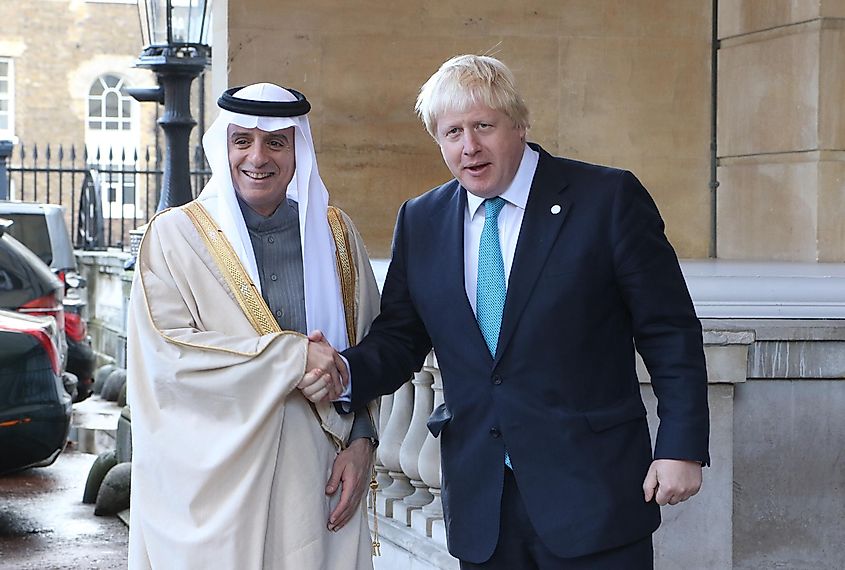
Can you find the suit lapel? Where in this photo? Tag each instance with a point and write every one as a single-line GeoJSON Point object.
{"type": "Point", "coordinates": [539, 231]}
{"type": "Point", "coordinates": [450, 268]}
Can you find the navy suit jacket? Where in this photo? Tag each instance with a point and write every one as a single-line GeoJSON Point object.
{"type": "Point", "coordinates": [588, 284]}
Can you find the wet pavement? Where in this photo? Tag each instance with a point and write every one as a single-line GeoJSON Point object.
{"type": "Point", "coordinates": [45, 526]}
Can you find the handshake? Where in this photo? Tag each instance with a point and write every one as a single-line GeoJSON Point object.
{"type": "Point", "coordinates": [326, 376]}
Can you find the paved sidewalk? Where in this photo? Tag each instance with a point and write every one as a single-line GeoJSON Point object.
{"type": "Point", "coordinates": [45, 526]}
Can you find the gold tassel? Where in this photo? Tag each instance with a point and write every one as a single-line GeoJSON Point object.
{"type": "Point", "coordinates": [373, 489]}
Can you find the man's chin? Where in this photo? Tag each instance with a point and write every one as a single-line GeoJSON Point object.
{"type": "Point", "coordinates": [480, 190]}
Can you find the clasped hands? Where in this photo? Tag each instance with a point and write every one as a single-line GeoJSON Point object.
{"type": "Point", "coordinates": [326, 376]}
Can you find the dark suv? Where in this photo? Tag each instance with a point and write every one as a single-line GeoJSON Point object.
{"type": "Point", "coordinates": [42, 228]}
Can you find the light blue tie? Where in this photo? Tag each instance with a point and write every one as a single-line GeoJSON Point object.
{"type": "Point", "coordinates": [491, 289]}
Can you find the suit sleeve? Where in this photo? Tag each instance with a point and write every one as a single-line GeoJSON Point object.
{"type": "Point", "coordinates": [667, 332]}
{"type": "Point", "coordinates": [397, 342]}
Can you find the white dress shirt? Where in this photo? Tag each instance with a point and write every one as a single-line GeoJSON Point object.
{"type": "Point", "coordinates": [510, 222]}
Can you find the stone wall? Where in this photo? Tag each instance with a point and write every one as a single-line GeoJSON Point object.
{"type": "Point", "coordinates": [781, 130]}
{"type": "Point", "coordinates": [621, 83]}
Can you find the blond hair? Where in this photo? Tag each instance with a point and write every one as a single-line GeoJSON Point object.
{"type": "Point", "coordinates": [467, 80]}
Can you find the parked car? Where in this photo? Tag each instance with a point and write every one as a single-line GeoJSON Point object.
{"type": "Point", "coordinates": [35, 407]}
{"type": "Point", "coordinates": [42, 228]}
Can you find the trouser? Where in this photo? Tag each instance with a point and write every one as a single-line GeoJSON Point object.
{"type": "Point", "coordinates": [519, 547]}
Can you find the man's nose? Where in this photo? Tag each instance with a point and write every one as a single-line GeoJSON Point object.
{"type": "Point", "coordinates": [258, 155]}
{"type": "Point", "coordinates": [471, 144]}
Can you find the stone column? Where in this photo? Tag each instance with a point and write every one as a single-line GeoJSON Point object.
{"type": "Point", "coordinates": [429, 466]}
{"type": "Point", "coordinates": [390, 445]}
{"type": "Point", "coordinates": [781, 130]}
{"type": "Point", "coordinates": [6, 147]}
{"type": "Point", "coordinates": [382, 477]}
{"type": "Point", "coordinates": [409, 454]}
{"type": "Point", "coordinates": [699, 533]}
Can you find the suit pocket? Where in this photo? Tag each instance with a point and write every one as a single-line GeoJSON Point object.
{"type": "Point", "coordinates": [629, 410]}
{"type": "Point", "coordinates": [438, 419]}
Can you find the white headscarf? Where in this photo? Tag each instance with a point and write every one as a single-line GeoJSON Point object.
{"type": "Point", "coordinates": [323, 304]}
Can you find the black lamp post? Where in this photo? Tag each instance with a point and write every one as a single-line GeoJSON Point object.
{"type": "Point", "coordinates": [175, 35]}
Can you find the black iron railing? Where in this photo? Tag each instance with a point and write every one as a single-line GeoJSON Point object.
{"type": "Point", "coordinates": [106, 193]}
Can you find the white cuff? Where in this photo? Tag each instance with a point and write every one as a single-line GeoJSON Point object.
{"type": "Point", "coordinates": [345, 399]}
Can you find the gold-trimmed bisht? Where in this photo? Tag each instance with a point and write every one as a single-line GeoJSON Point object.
{"type": "Point", "coordinates": [257, 311]}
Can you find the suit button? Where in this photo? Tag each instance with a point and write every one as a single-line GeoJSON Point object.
{"type": "Point", "coordinates": [497, 379]}
{"type": "Point", "coordinates": [495, 433]}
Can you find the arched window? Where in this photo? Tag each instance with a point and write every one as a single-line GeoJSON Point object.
{"type": "Point", "coordinates": [112, 135]}
{"type": "Point", "coordinates": [109, 105]}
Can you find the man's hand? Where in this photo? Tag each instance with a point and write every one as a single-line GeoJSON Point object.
{"type": "Point", "coordinates": [351, 470]}
{"type": "Point", "coordinates": [316, 385]}
{"type": "Point", "coordinates": [671, 481]}
{"type": "Point", "coordinates": [324, 359]}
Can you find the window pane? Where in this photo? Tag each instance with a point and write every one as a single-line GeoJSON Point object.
{"type": "Point", "coordinates": [128, 195]}
{"type": "Point", "coordinates": [94, 108]}
{"type": "Point", "coordinates": [94, 125]}
{"type": "Point", "coordinates": [111, 125]}
{"type": "Point", "coordinates": [4, 122]}
{"type": "Point", "coordinates": [111, 104]}
{"type": "Point", "coordinates": [126, 126]}
{"type": "Point", "coordinates": [112, 194]}
{"type": "Point", "coordinates": [4, 104]}
{"type": "Point", "coordinates": [111, 80]}
{"type": "Point", "coordinates": [4, 85]}
{"type": "Point", "coordinates": [126, 106]}
{"type": "Point", "coordinates": [97, 88]}
{"type": "Point", "coordinates": [4, 68]}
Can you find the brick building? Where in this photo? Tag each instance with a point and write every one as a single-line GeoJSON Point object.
{"type": "Point", "coordinates": [65, 67]}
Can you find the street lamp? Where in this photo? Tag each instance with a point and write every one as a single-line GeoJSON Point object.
{"type": "Point", "coordinates": [175, 34]}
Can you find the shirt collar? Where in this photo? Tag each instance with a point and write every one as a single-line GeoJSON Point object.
{"type": "Point", "coordinates": [284, 215]}
{"type": "Point", "coordinates": [517, 192]}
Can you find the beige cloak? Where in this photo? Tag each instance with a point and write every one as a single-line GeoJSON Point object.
{"type": "Point", "coordinates": [230, 461]}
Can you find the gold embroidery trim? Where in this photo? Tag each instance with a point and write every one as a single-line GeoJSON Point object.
{"type": "Point", "coordinates": [345, 270]}
{"type": "Point", "coordinates": [245, 291]}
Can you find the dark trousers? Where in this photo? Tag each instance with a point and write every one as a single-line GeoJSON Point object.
{"type": "Point", "coordinates": [519, 547]}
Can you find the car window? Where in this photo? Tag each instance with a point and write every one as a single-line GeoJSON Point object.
{"type": "Point", "coordinates": [31, 230]}
{"type": "Point", "coordinates": [23, 277]}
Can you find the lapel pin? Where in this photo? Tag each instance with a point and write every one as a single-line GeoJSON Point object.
{"type": "Point", "coordinates": [556, 209]}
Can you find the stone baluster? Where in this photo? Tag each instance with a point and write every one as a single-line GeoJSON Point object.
{"type": "Point", "coordinates": [409, 455]}
{"type": "Point", "coordinates": [382, 477]}
{"type": "Point", "coordinates": [432, 513]}
{"type": "Point", "coordinates": [391, 443]}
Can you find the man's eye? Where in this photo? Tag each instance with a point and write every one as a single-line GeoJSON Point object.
{"type": "Point", "coordinates": [484, 125]}
{"type": "Point", "coordinates": [452, 132]}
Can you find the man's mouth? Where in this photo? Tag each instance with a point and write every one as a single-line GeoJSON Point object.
{"type": "Point", "coordinates": [476, 168]}
{"type": "Point", "coordinates": [256, 175]}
